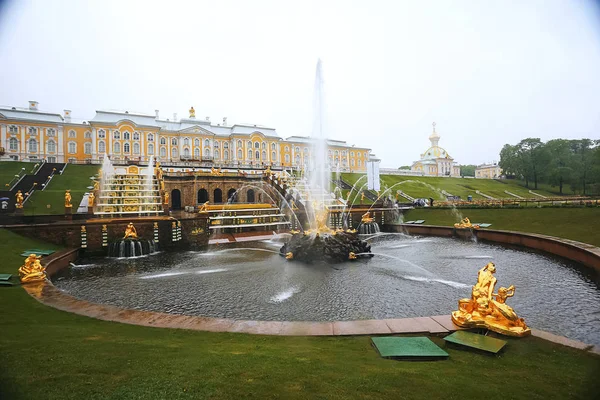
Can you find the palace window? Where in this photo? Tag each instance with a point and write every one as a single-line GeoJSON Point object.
{"type": "Point", "coordinates": [186, 142]}
{"type": "Point", "coordinates": [249, 154]}
{"type": "Point", "coordinates": [136, 148]}
{"type": "Point", "coordinates": [239, 144]}
{"type": "Point", "coordinates": [150, 149]}
{"type": "Point", "coordinates": [186, 153]}
{"type": "Point", "coordinates": [206, 152]}
{"type": "Point", "coordinates": [351, 154]}
{"type": "Point", "coordinates": [206, 142]}
{"type": "Point", "coordinates": [174, 152]}
{"type": "Point", "coordinates": [264, 155]}
{"type": "Point", "coordinates": [358, 162]}
{"type": "Point", "coordinates": [264, 145]}
{"type": "Point", "coordinates": [32, 131]}
{"type": "Point", "coordinates": [305, 160]}
{"type": "Point", "coordinates": [13, 144]}
{"type": "Point", "coordinates": [125, 147]}
{"type": "Point", "coordinates": [225, 145]}
{"type": "Point", "coordinates": [13, 130]}
{"type": "Point", "coordinates": [287, 158]}
{"type": "Point", "coordinates": [163, 140]}
{"type": "Point", "coordinates": [72, 134]}
{"type": "Point", "coordinates": [51, 132]}
{"type": "Point", "coordinates": [101, 134]}
{"type": "Point", "coordinates": [257, 155]}
{"type": "Point", "coordinates": [174, 142]}
{"type": "Point", "coordinates": [273, 146]}
{"type": "Point", "coordinates": [197, 142]}
{"type": "Point", "coordinates": [337, 153]}
{"type": "Point", "coordinates": [225, 154]}
{"type": "Point", "coordinates": [273, 156]}
{"type": "Point", "coordinates": [256, 145]}
{"type": "Point", "coordinates": [297, 149]}
{"type": "Point", "coordinates": [365, 154]}
{"type": "Point", "coordinates": [150, 137]}
{"type": "Point", "coordinates": [72, 147]}
{"type": "Point", "coordinates": [297, 159]}
{"type": "Point", "coordinates": [217, 155]}
{"type": "Point", "coordinates": [136, 136]}
{"type": "Point", "coordinates": [216, 145]}
{"type": "Point", "coordinates": [306, 150]}
{"type": "Point", "coordinates": [196, 153]}
{"type": "Point", "coordinates": [101, 147]}
{"type": "Point", "coordinates": [163, 152]}
{"type": "Point", "coordinates": [344, 153]}
{"type": "Point", "coordinates": [116, 147]}
{"type": "Point", "coordinates": [126, 135]}
{"type": "Point", "coordinates": [87, 135]}
{"type": "Point", "coordinates": [352, 162]}
{"type": "Point", "coordinates": [116, 135]}
{"type": "Point", "coordinates": [240, 154]}
{"type": "Point", "coordinates": [87, 148]}
{"type": "Point", "coordinates": [287, 148]}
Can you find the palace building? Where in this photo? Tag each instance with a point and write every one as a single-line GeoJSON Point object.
{"type": "Point", "coordinates": [32, 135]}
{"type": "Point", "coordinates": [436, 161]}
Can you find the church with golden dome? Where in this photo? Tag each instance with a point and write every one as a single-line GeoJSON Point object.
{"type": "Point", "coordinates": [436, 161]}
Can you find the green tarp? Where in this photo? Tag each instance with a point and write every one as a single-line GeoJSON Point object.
{"type": "Point", "coordinates": [407, 347]}
{"type": "Point", "coordinates": [476, 341]}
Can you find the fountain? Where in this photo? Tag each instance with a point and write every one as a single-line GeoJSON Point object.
{"type": "Point", "coordinates": [130, 245]}
{"type": "Point", "coordinates": [367, 225]}
{"type": "Point", "coordinates": [321, 243]}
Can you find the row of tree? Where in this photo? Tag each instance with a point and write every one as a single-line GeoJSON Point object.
{"type": "Point", "coordinates": [561, 163]}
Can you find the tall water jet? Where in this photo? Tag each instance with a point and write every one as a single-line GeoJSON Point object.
{"type": "Point", "coordinates": [319, 168]}
{"type": "Point", "coordinates": [149, 180]}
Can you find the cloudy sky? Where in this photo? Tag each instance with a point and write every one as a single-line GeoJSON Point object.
{"type": "Point", "coordinates": [487, 72]}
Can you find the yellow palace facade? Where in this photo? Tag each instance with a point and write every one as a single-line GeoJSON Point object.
{"type": "Point", "coordinates": [28, 134]}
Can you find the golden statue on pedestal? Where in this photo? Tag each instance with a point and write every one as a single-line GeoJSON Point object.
{"type": "Point", "coordinates": [465, 223]}
{"type": "Point", "coordinates": [215, 171]}
{"type": "Point", "coordinates": [192, 112]}
{"type": "Point", "coordinates": [91, 198]}
{"type": "Point", "coordinates": [289, 255]}
{"type": "Point", "coordinates": [366, 218]}
{"type": "Point", "coordinates": [352, 256]}
{"type": "Point", "coordinates": [166, 198]}
{"type": "Point", "coordinates": [68, 199]}
{"type": "Point", "coordinates": [486, 309]}
{"type": "Point", "coordinates": [130, 232]}
{"type": "Point", "coordinates": [19, 198]}
{"type": "Point", "coordinates": [32, 270]}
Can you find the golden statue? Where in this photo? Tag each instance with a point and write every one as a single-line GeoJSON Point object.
{"type": "Point", "coordinates": [166, 198]}
{"type": "Point", "coordinates": [130, 232]}
{"type": "Point", "coordinates": [215, 172]}
{"type": "Point", "coordinates": [204, 207]}
{"type": "Point", "coordinates": [289, 256]}
{"type": "Point", "coordinates": [466, 223]}
{"type": "Point", "coordinates": [104, 228]}
{"type": "Point", "coordinates": [19, 197]}
{"type": "Point", "coordinates": [68, 199]}
{"type": "Point", "coordinates": [161, 185]}
{"type": "Point", "coordinates": [366, 218]}
{"type": "Point", "coordinates": [96, 185]}
{"type": "Point", "coordinates": [91, 198]}
{"type": "Point", "coordinates": [486, 309]}
{"type": "Point", "coordinates": [362, 197]}
{"type": "Point", "coordinates": [32, 270]}
{"type": "Point", "coordinates": [352, 230]}
{"type": "Point", "coordinates": [83, 229]}
{"type": "Point", "coordinates": [267, 171]}
{"type": "Point", "coordinates": [321, 217]}
{"type": "Point", "coordinates": [352, 256]}
{"type": "Point", "coordinates": [192, 113]}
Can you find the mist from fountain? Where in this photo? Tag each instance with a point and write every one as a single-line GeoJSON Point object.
{"type": "Point", "coordinates": [149, 180]}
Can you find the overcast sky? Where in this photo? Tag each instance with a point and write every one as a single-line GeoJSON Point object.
{"type": "Point", "coordinates": [487, 72]}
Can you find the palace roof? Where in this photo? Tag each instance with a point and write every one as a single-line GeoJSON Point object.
{"type": "Point", "coordinates": [30, 115]}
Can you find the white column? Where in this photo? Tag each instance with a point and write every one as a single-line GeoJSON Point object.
{"type": "Point", "coordinates": [60, 132]}
{"type": "Point", "coordinates": [23, 130]}
{"type": "Point", "coordinates": [3, 138]}
{"type": "Point", "coordinates": [94, 144]}
{"type": "Point", "coordinates": [143, 144]}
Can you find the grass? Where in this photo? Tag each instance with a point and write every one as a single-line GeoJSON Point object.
{"type": "Point", "coordinates": [571, 223]}
{"type": "Point", "coordinates": [50, 354]}
{"type": "Point", "coordinates": [75, 177]}
{"type": "Point", "coordinates": [8, 170]}
{"type": "Point", "coordinates": [426, 187]}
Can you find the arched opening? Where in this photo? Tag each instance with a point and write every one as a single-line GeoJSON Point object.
{"type": "Point", "coordinates": [231, 196]}
{"type": "Point", "coordinates": [250, 196]}
{"type": "Point", "coordinates": [175, 199]}
{"type": "Point", "coordinates": [202, 196]}
{"type": "Point", "coordinates": [218, 196]}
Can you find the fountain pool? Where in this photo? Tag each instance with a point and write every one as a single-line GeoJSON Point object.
{"type": "Point", "coordinates": [407, 277]}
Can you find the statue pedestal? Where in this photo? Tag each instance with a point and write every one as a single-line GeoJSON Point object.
{"type": "Point", "coordinates": [69, 213]}
{"type": "Point", "coordinates": [19, 211]}
{"type": "Point", "coordinates": [166, 209]}
{"type": "Point", "coordinates": [91, 210]}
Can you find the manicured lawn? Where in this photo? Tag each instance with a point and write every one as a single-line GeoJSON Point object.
{"type": "Point", "coordinates": [49, 354]}
{"type": "Point", "coordinates": [75, 177]}
{"type": "Point", "coordinates": [426, 187]}
{"type": "Point", "coordinates": [8, 170]}
{"type": "Point", "coordinates": [572, 223]}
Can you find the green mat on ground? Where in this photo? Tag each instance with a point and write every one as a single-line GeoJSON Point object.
{"type": "Point", "coordinates": [407, 347]}
{"type": "Point", "coordinates": [6, 283]}
{"type": "Point", "coordinates": [482, 225]}
{"type": "Point", "coordinates": [476, 341]}
{"type": "Point", "coordinates": [5, 277]}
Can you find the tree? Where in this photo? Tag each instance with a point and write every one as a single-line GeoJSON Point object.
{"type": "Point", "coordinates": [509, 161]}
{"type": "Point", "coordinates": [467, 170]}
{"type": "Point", "coordinates": [533, 158]}
{"type": "Point", "coordinates": [560, 170]}
{"type": "Point", "coordinates": [405, 167]}
{"type": "Point", "coordinates": [582, 162]}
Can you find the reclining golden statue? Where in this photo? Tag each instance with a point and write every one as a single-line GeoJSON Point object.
{"type": "Point", "coordinates": [466, 223]}
{"type": "Point", "coordinates": [32, 270]}
{"type": "Point", "coordinates": [203, 207]}
{"type": "Point", "coordinates": [366, 218]}
{"type": "Point", "coordinates": [486, 309]}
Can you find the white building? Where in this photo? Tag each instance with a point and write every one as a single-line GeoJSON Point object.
{"type": "Point", "coordinates": [436, 161]}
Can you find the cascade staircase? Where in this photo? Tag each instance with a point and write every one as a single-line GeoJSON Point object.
{"type": "Point", "coordinates": [128, 194]}
{"type": "Point", "coordinates": [29, 183]}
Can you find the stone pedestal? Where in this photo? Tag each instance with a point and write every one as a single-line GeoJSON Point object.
{"type": "Point", "coordinates": [166, 209]}
{"type": "Point", "coordinates": [19, 211]}
{"type": "Point", "coordinates": [69, 213]}
{"type": "Point", "coordinates": [90, 210]}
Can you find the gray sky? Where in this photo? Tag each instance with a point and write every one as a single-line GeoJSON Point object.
{"type": "Point", "coordinates": [488, 72]}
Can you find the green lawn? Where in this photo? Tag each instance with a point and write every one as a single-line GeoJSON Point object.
{"type": "Point", "coordinates": [579, 224]}
{"type": "Point", "coordinates": [75, 177]}
{"type": "Point", "coordinates": [8, 170]}
{"type": "Point", "coordinates": [426, 187]}
{"type": "Point", "coordinates": [50, 354]}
